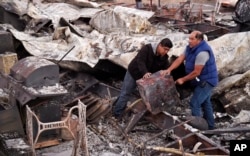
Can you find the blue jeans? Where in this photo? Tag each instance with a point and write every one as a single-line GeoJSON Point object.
{"type": "Point", "coordinates": [128, 86]}
{"type": "Point", "coordinates": [201, 101]}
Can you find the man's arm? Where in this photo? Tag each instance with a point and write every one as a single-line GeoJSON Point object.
{"type": "Point", "coordinates": [200, 62]}
{"type": "Point", "coordinates": [174, 65]}
{"type": "Point", "coordinates": [196, 72]}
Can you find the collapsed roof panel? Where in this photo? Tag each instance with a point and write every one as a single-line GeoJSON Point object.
{"type": "Point", "coordinates": [54, 11]}
{"type": "Point", "coordinates": [15, 6]}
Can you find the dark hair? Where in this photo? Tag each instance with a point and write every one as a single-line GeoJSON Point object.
{"type": "Point", "coordinates": [199, 35]}
{"type": "Point", "coordinates": [166, 42]}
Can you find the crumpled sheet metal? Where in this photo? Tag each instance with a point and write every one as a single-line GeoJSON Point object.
{"type": "Point", "coordinates": [158, 93]}
{"type": "Point", "coordinates": [54, 11]}
{"type": "Point", "coordinates": [133, 11]}
{"type": "Point", "coordinates": [21, 7]}
{"type": "Point", "coordinates": [107, 21]}
{"type": "Point", "coordinates": [119, 48]}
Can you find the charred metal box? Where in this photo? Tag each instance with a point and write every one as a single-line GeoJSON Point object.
{"type": "Point", "coordinates": [35, 72]}
{"type": "Point", "coordinates": [47, 110]}
{"type": "Point", "coordinates": [158, 93]}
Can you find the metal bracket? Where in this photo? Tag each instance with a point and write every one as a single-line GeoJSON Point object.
{"type": "Point", "coordinates": [79, 140]}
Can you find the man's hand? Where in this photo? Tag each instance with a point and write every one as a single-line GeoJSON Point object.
{"type": "Point", "coordinates": [180, 81]}
{"type": "Point", "coordinates": [165, 72]}
{"type": "Point", "coordinates": [147, 75]}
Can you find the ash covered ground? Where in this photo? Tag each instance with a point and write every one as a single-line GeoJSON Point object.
{"type": "Point", "coordinates": [106, 137]}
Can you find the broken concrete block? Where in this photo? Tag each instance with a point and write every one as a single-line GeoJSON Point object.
{"type": "Point", "coordinates": [7, 60]}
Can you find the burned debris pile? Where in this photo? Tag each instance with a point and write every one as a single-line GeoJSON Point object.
{"type": "Point", "coordinates": [61, 69]}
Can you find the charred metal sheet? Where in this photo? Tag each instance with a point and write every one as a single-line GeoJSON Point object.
{"type": "Point", "coordinates": [77, 84]}
{"type": "Point", "coordinates": [211, 31]}
{"type": "Point", "coordinates": [175, 131]}
{"type": "Point", "coordinates": [158, 93]}
{"type": "Point", "coordinates": [35, 72]}
{"type": "Point", "coordinates": [64, 22]}
{"type": "Point", "coordinates": [40, 25]}
{"type": "Point", "coordinates": [25, 94]}
{"type": "Point", "coordinates": [186, 134]}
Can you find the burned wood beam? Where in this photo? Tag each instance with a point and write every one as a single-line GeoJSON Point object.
{"type": "Point", "coordinates": [169, 150]}
{"type": "Point", "coordinates": [228, 130]}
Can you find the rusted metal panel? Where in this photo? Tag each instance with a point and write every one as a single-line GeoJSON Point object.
{"type": "Point", "coordinates": [35, 72]}
{"type": "Point", "coordinates": [158, 93]}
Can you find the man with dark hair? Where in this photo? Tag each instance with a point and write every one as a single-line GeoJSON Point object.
{"type": "Point", "coordinates": [150, 59]}
{"type": "Point", "coordinates": [201, 73]}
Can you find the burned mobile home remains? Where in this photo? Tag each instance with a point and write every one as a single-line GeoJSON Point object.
{"type": "Point", "coordinates": [61, 74]}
